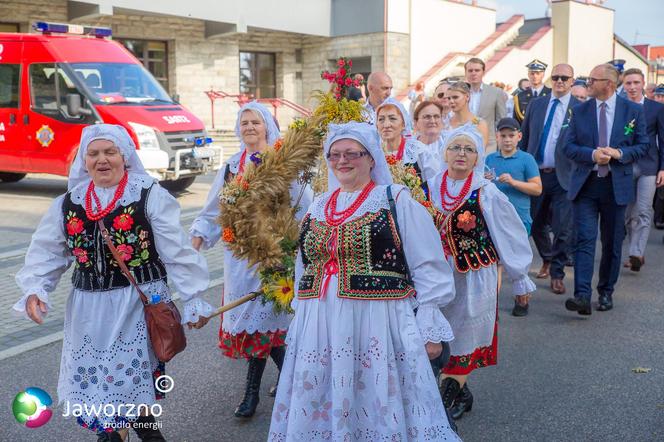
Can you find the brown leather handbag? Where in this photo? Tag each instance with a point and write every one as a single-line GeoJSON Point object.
{"type": "Point", "coordinates": [162, 319]}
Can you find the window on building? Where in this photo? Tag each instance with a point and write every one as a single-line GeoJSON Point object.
{"type": "Point", "coordinates": [258, 74]}
{"type": "Point", "coordinates": [9, 85]}
{"type": "Point", "coordinates": [9, 27]}
{"type": "Point", "coordinates": [154, 56]}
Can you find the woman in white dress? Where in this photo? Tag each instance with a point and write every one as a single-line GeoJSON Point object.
{"type": "Point", "coordinates": [357, 361]}
{"type": "Point", "coordinates": [429, 124]}
{"type": "Point", "coordinates": [251, 331]}
{"type": "Point", "coordinates": [478, 227]}
{"type": "Point", "coordinates": [394, 128]}
{"type": "Point", "coordinates": [107, 358]}
{"type": "Point", "coordinates": [458, 95]}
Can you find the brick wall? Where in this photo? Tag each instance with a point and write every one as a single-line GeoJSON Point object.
{"type": "Point", "coordinates": [196, 63]}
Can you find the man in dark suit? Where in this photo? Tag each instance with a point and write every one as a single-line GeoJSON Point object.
{"type": "Point", "coordinates": [606, 135]}
{"type": "Point", "coordinates": [547, 120]}
{"type": "Point", "coordinates": [536, 89]}
{"type": "Point", "coordinates": [648, 170]}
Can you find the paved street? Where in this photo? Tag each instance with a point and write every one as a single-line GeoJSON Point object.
{"type": "Point", "coordinates": [561, 377]}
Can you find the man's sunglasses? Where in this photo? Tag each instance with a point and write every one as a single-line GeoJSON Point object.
{"type": "Point", "coordinates": [562, 78]}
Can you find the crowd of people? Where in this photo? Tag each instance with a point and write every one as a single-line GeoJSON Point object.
{"type": "Point", "coordinates": [396, 298]}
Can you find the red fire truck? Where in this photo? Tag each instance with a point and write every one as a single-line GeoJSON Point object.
{"type": "Point", "coordinates": [55, 82]}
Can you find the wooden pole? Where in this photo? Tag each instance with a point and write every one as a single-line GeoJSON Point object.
{"type": "Point", "coordinates": [232, 305]}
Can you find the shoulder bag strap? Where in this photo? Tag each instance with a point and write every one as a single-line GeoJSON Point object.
{"type": "Point", "coordinates": [120, 261]}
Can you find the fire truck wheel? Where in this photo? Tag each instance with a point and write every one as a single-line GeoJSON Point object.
{"type": "Point", "coordinates": [7, 177]}
{"type": "Point", "coordinates": [178, 185]}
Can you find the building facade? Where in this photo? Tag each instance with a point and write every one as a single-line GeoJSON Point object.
{"type": "Point", "coordinates": [273, 49]}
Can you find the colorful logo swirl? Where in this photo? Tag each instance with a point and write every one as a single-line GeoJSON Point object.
{"type": "Point", "coordinates": [32, 407]}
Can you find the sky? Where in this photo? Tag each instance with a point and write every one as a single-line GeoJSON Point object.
{"type": "Point", "coordinates": [645, 17]}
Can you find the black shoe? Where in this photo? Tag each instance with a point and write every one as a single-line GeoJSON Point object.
{"type": "Point", "coordinates": [146, 429]}
{"type": "Point", "coordinates": [247, 407]}
{"type": "Point", "coordinates": [605, 303]}
{"type": "Point", "coordinates": [580, 306]}
{"type": "Point", "coordinates": [278, 354]}
{"type": "Point", "coordinates": [112, 436]}
{"type": "Point", "coordinates": [449, 389]}
{"type": "Point", "coordinates": [519, 310]}
{"type": "Point", "coordinates": [463, 403]}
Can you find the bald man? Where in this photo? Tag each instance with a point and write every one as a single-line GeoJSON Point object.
{"type": "Point", "coordinates": [379, 85]}
{"type": "Point", "coordinates": [546, 121]}
{"type": "Point", "coordinates": [606, 135]}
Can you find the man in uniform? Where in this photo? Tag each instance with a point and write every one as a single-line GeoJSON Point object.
{"type": "Point", "coordinates": [619, 64]}
{"type": "Point", "coordinates": [537, 88]}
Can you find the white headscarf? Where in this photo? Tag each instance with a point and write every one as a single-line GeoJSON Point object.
{"type": "Point", "coordinates": [271, 129]}
{"type": "Point", "coordinates": [111, 132]}
{"type": "Point", "coordinates": [408, 124]}
{"type": "Point", "coordinates": [468, 131]}
{"type": "Point", "coordinates": [366, 135]}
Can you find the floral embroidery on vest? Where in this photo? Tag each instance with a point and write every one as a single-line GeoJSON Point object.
{"type": "Point", "coordinates": [466, 236]}
{"type": "Point", "coordinates": [95, 268]}
{"type": "Point", "coordinates": [369, 253]}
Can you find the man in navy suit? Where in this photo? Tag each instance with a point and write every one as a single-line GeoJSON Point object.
{"type": "Point", "coordinates": [606, 135]}
{"type": "Point", "coordinates": [648, 170]}
{"type": "Point", "coordinates": [544, 127]}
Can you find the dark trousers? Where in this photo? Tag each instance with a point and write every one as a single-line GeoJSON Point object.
{"type": "Point", "coordinates": [596, 204]}
{"type": "Point", "coordinates": [552, 212]}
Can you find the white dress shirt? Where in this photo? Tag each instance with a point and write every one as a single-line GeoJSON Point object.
{"type": "Point", "coordinates": [537, 92]}
{"type": "Point", "coordinates": [474, 104]}
{"type": "Point", "coordinates": [610, 114]}
{"type": "Point", "coordinates": [549, 160]}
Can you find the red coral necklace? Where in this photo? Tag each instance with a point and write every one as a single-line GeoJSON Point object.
{"type": "Point", "coordinates": [91, 215]}
{"type": "Point", "coordinates": [393, 158]}
{"type": "Point", "coordinates": [455, 200]}
{"type": "Point", "coordinates": [334, 218]}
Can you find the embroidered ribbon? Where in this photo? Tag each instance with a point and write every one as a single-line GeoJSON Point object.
{"type": "Point", "coordinates": [331, 267]}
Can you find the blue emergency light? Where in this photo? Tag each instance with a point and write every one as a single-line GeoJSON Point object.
{"type": "Point", "coordinates": [62, 28]}
{"type": "Point", "coordinates": [200, 141]}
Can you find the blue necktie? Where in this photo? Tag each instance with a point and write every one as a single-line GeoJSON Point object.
{"type": "Point", "coordinates": [545, 133]}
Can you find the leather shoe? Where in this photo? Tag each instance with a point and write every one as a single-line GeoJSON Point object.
{"type": "Point", "coordinates": [635, 263]}
{"type": "Point", "coordinates": [519, 309]}
{"type": "Point", "coordinates": [544, 271]}
{"type": "Point", "coordinates": [581, 306]}
{"type": "Point", "coordinates": [605, 303]}
{"type": "Point", "coordinates": [463, 403]}
{"type": "Point", "coordinates": [557, 286]}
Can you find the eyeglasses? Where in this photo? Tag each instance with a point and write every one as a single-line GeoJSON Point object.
{"type": "Point", "coordinates": [466, 150]}
{"type": "Point", "coordinates": [432, 117]}
{"type": "Point", "coordinates": [562, 78]}
{"type": "Point", "coordinates": [592, 80]}
{"type": "Point", "coordinates": [333, 157]}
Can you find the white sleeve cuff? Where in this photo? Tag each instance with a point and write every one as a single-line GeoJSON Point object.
{"type": "Point", "coordinates": [19, 307]}
{"type": "Point", "coordinates": [194, 308]}
{"type": "Point", "coordinates": [523, 286]}
{"type": "Point", "coordinates": [433, 324]}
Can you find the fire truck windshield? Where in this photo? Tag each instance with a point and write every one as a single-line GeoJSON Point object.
{"type": "Point", "coordinates": [120, 83]}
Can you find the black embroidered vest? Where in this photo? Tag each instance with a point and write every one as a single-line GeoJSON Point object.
{"type": "Point", "coordinates": [368, 253]}
{"type": "Point", "coordinates": [466, 236]}
{"type": "Point", "coordinates": [95, 269]}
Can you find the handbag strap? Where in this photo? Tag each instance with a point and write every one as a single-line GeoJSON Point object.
{"type": "Point", "coordinates": [120, 261]}
{"type": "Point", "coordinates": [393, 210]}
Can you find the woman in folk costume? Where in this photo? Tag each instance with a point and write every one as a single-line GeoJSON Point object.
{"type": "Point", "coordinates": [394, 128]}
{"type": "Point", "coordinates": [357, 361]}
{"type": "Point", "coordinates": [252, 330]}
{"type": "Point", "coordinates": [107, 357]}
{"type": "Point", "coordinates": [478, 227]}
